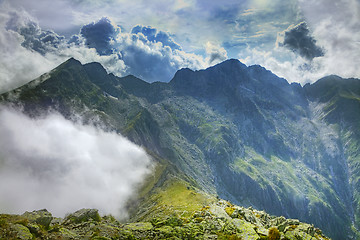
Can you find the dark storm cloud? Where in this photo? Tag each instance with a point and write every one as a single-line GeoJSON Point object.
{"type": "Point", "coordinates": [153, 35]}
{"type": "Point", "coordinates": [100, 35]}
{"type": "Point", "coordinates": [298, 39]}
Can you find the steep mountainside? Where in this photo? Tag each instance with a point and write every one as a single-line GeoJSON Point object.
{"type": "Point", "coordinates": [239, 132]}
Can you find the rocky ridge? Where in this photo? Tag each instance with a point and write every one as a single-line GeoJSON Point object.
{"type": "Point", "coordinates": [235, 131]}
{"type": "Point", "coordinates": [220, 220]}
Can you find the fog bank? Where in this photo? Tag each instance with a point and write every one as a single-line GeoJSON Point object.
{"type": "Point", "coordinates": [63, 166]}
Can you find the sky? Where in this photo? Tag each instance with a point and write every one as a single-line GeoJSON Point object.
{"type": "Point", "coordinates": [300, 40]}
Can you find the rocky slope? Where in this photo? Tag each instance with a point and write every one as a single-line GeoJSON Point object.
{"type": "Point", "coordinates": [220, 220]}
{"type": "Point", "coordinates": [236, 131]}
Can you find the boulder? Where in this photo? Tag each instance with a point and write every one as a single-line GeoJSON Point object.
{"type": "Point", "coordinates": [42, 217]}
{"type": "Point", "coordinates": [83, 215]}
{"type": "Point", "coordinates": [21, 232]}
{"type": "Point", "coordinates": [246, 229]}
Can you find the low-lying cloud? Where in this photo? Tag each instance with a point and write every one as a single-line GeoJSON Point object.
{"type": "Point", "coordinates": [54, 163]}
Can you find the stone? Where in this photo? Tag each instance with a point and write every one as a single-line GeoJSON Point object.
{"type": "Point", "coordinates": [246, 229]}
{"type": "Point", "coordinates": [83, 215]}
{"type": "Point", "coordinates": [21, 232]}
{"type": "Point", "coordinates": [287, 223]}
{"type": "Point", "coordinates": [42, 217]}
{"type": "Point", "coordinates": [261, 231]}
{"type": "Point", "coordinates": [219, 212]}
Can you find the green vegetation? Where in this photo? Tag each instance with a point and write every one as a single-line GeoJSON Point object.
{"type": "Point", "coordinates": [175, 196]}
{"type": "Point", "coordinates": [274, 234]}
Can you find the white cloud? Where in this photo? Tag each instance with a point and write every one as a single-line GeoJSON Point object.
{"type": "Point", "coordinates": [53, 163]}
{"type": "Point", "coordinates": [215, 53]}
{"type": "Point", "coordinates": [152, 61]}
{"type": "Point", "coordinates": [284, 63]}
{"type": "Point", "coordinates": [30, 51]}
{"type": "Point", "coordinates": [336, 27]}
{"type": "Point", "coordinates": [17, 64]}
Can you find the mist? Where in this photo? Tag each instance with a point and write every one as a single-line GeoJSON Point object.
{"type": "Point", "coordinates": [54, 163]}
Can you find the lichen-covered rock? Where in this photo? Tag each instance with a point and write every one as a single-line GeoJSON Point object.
{"type": "Point", "coordinates": [298, 235]}
{"type": "Point", "coordinates": [68, 234]}
{"type": "Point", "coordinates": [277, 221]}
{"type": "Point", "coordinates": [20, 232]}
{"type": "Point", "coordinates": [288, 223]}
{"type": "Point", "coordinates": [83, 215]}
{"type": "Point", "coordinates": [261, 231]}
{"type": "Point", "coordinates": [105, 230]}
{"type": "Point", "coordinates": [221, 220]}
{"type": "Point", "coordinates": [42, 217]}
{"type": "Point", "coordinates": [246, 229]}
{"type": "Point", "coordinates": [219, 212]}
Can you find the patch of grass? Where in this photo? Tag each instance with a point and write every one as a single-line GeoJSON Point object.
{"type": "Point", "coordinates": [175, 197]}
{"type": "Point", "coordinates": [178, 196]}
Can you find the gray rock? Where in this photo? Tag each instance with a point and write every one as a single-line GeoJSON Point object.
{"type": "Point", "coordinates": [83, 215]}
{"type": "Point", "coordinates": [21, 232]}
{"type": "Point", "coordinates": [42, 217]}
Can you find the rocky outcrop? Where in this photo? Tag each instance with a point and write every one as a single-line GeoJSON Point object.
{"type": "Point", "coordinates": [221, 220]}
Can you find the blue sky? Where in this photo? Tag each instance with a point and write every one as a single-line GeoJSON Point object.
{"type": "Point", "coordinates": [300, 40]}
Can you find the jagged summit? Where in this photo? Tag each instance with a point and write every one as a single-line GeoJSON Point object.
{"type": "Point", "coordinates": [71, 61]}
{"type": "Point", "coordinates": [229, 63]}
{"type": "Point", "coordinates": [238, 132]}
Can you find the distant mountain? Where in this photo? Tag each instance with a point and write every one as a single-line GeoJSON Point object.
{"type": "Point", "coordinates": [238, 132]}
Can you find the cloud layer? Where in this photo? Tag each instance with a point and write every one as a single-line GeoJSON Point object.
{"type": "Point", "coordinates": [322, 36]}
{"type": "Point", "coordinates": [63, 166]}
{"type": "Point", "coordinates": [145, 52]}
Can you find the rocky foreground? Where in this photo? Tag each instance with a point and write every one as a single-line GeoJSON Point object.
{"type": "Point", "coordinates": [217, 221]}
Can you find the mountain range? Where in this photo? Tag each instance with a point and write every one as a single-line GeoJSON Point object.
{"type": "Point", "coordinates": [233, 131]}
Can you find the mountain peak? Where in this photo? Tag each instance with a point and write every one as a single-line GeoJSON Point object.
{"type": "Point", "coordinates": [72, 61]}
{"type": "Point", "coordinates": [230, 64]}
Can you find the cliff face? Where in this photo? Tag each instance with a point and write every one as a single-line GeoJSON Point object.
{"type": "Point", "coordinates": [239, 132]}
